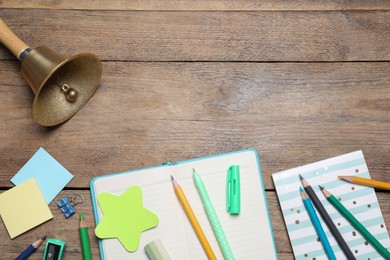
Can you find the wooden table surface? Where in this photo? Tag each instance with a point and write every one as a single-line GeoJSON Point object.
{"type": "Point", "coordinates": [299, 81]}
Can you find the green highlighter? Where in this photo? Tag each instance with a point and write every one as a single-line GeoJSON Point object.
{"type": "Point", "coordinates": [233, 195]}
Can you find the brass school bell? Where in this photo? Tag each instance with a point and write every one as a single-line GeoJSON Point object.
{"type": "Point", "coordinates": [61, 85]}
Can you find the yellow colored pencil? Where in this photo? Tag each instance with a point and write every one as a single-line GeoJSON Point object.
{"type": "Point", "coordinates": [366, 182]}
{"type": "Point", "coordinates": [192, 218]}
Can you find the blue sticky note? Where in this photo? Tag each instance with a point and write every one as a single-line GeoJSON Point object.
{"type": "Point", "coordinates": [50, 175]}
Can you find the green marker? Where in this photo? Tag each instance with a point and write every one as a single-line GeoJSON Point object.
{"type": "Point", "coordinates": [84, 239]}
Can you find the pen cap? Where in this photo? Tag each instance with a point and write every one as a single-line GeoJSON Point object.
{"type": "Point", "coordinates": [233, 194]}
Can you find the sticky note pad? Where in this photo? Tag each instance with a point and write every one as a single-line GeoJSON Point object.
{"type": "Point", "coordinates": [23, 207]}
{"type": "Point", "coordinates": [50, 175]}
{"type": "Point", "coordinates": [125, 217]}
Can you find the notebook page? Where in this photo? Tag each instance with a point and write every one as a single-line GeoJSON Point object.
{"type": "Point", "coordinates": [159, 197]}
{"type": "Point", "coordinates": [249, 234]}
{"type": "Point", "coordinates": [359, 200]}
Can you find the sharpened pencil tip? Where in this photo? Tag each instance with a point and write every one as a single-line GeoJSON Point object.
{"type": "Point", "coordinates": [172, 178]}
{"type": "Point", "coordinates": [300, 189]}
{"type": "Point", "coordinates": [346, 178]}
{"type": "Point", "coordinates": [321, 187]}
{"type": "Point", "coordinates": [300, 177]}
{"type": "Point", "coordinates": [43, 238]}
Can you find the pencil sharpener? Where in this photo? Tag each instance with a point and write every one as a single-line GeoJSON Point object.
{"type": "Point", "coordinates": [54, 249]}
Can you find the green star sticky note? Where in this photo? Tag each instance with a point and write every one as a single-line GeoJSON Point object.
{"type": "Point", "coordinates": [124, 217]}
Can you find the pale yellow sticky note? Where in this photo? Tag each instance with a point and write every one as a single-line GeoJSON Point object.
{"type": "Point", "coordinates": [23, 207]}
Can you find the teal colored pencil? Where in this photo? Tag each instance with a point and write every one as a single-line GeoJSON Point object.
{"type": "Point", "coordinates": [213, 218]}
{"type": "Point", "coordinates": [317, 225]}
{"type": "Point", "coordinates": [354, 222]}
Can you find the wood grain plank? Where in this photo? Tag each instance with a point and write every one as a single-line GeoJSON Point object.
{"type": "Point", "coordinates": [203, 5]}
{"type": "Point", "coordinates": [207, 36]}
{"type": "Point", "coordinates": [66, 229]}
{"type": "Point", "coordinates": [144, 114]}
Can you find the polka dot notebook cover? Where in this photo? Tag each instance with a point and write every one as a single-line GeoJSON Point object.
{"type": "Point", "coordinates": [361, 201]}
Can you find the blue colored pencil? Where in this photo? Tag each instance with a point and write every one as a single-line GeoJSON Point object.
{"type": "Point", "coordinates": [31, 249]}
{"type": "Point", "coordinates": [317, 224]}
{"type": "Point", "coordinates": [326, 218]}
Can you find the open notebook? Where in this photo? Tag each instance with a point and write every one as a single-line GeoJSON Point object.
{"type": "Point", "coordinates": [359, 200]}
{"type": "Point", "coordinates": [249, 233]}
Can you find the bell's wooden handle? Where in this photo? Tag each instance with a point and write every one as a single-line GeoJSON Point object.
{"type": "Point", "coordinates": [10, 40]}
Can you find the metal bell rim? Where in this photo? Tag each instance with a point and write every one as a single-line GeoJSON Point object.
{"type": "Point", "coordinates": [38, 118]}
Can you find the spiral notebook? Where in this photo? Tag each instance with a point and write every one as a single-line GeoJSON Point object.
{"type": "Point", "coordinates": [249, 233]}
{"type": "Point", "coordinates": [359, 200]}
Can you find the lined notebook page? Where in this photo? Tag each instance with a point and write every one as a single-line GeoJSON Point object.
{"type": "Point", "coordinates": [249, 234]}
{"type": "Point", "coordinates": [361, 201]}
{"type": "Point", "coordinates": [159, 197]}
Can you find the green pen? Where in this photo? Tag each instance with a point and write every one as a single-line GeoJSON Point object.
{"type": "Point", "coordinates": [233, 194]}
{"type": "Point", "coordinates": [213, 218]}
{"type": "Point", "coordinates": [84, 239]}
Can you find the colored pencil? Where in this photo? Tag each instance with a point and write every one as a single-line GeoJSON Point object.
{"type": "Point", "coordinates": [84, 239]}
{"type": "Point", "coordinates": [317, 225]}
{"type": "Point", "coordinates": [192, 218]}
{"type": "Point", "coordinates": [366, 182]}
{"type": "Point", "coordinates": [354, 222]}
{"type": "Point", "coordinates": [328, 221]}
{"type": "Point", "coordinates": [31, 249]}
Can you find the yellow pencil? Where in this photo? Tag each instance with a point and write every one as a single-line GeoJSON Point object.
{"type": "Point", "coordinates": [366, 182]}
{"type": "Point", "coordinates": [192, 218]}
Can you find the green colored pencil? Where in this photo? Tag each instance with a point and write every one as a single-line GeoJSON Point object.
{"type": "Point", "coordinates": [84, 239]}
{"type": "Point", "coordinates": [365, 233]}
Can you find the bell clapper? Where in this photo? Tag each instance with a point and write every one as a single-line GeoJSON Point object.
{"type": "Point", "coordinates": [70, 93]}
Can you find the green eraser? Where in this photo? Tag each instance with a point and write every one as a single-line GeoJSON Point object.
{"type": "Point", "coordinates": [156, 251]}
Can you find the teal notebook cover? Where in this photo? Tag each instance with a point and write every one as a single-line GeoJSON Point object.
{"type": "Point", "coordinates": [249, 234]}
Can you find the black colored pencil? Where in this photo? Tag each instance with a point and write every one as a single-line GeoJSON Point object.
{"type": "Point", "coordinates": [328, 221]}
